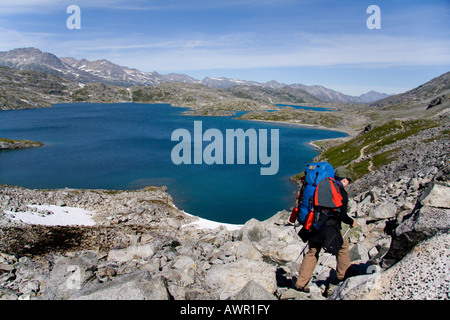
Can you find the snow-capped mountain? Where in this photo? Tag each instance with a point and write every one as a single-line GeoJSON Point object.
{"type": "Point", "coordinates": [105, 71]}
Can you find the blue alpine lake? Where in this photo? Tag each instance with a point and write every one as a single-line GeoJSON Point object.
{"type": "Point", "coordinates": [128, 146]}
{"type": "Point", "coordinates": [304, 107]}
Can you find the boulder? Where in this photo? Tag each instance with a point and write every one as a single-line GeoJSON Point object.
{"type": "Point", "coordinates": [383, 211]}
{"type": "Point", "coordinates": [144, 251]}
{"type": "Point", "coordinates": [288, 252]}
{"type": "Point", "coordinates": [373, 252]}
{"type": "Point", "coordinates": [356, 288]}
{"type": "Point", "coordinates": [359, 252]}
{"type": "Point", "coordinates": [438, 196]}
{"type": "Point", "coordinates": [423, 274]}
{"type": "Point", "coordinates": [228, 280]}
{"type": "Point", "coordinates": [69, 275]}
{"type": "Point", "coordinates": [29, 287]}
{"type": "Point", "coordinates": [435, 102]}
{"type": "Point", "coordinates": [421, 225]}
{"type": "Point", "coordinates": [246, 250]}
{"type": "Point", "coordinates": [135, 286]}
{"type": "Point", "coordinates": [253, 230]}
{"type": "Point", "coordinates": [185, 270]}
{"type": "Point", "coordinates": [254, 291]}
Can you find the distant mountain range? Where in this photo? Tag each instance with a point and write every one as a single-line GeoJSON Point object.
{"type": "Point", "coordinates": [104, 71]}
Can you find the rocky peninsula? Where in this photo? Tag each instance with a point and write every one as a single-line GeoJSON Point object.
{"type": "Point", "coordinates": [9, 144]}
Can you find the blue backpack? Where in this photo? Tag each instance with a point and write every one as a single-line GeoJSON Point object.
{"type": "Point", "coordinates": [314, 173]}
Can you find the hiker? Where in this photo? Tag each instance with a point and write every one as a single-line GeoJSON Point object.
{"type": "Point", "coordinates": [330, 232]}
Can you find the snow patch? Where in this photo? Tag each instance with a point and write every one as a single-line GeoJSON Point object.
{"type": "Point", "coordinates": [51, 215]}
{"type": "Point", "coordinates": [208, 224]}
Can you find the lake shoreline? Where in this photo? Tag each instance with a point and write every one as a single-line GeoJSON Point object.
{"type": "Point", "coordinates": [300, 124]}
{"type": "Point", "coordinates": [92, 207]}
{"type": "Point", "coordinates": [312, 143]}
{"type": "Point", "coordinates": [175, 193]}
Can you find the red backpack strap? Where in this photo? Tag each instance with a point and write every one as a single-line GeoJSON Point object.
{"type": "Point", "coordinates": [336, 193]}
{"type": "Point", "coordinates": [327, 194]}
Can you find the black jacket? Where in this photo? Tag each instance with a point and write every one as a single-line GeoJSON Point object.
{"type": "Point", "coordinates": [329, 237]}
{"type": "Point", "coordinates": [343, 216]}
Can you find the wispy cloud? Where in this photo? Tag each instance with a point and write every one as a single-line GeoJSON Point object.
{"type": "Point", "coordinates": [241, 50]}
{"type": "Point", "coordinates": [11, 39]}
{"type": "Point", "coordinates": [9, 7]}
{"type": "Point", "coordinates": [378, 51]}
{"type": "Point", "coordinates": [245, 35]}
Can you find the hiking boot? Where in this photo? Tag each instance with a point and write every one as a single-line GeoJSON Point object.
{"type": "Point", "coordinates": [301, 289]}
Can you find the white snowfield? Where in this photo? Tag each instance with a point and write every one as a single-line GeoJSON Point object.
{"type": "Point", "coordinates": [51, 215]}
{"type": "Point", "coordinates": [208, 224]}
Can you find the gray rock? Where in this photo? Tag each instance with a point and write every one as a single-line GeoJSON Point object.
{"type": "Point", "coordinates": [254, 291]}
{"type": "Point", "coordinates": [253, 230]}
{"type": "Point", "coordinates": [437, 196]}
{"type": "Point", "coordinates": [135, 286]}
{"type": "Point", "coordinates": [414, 184]}
{"type": "Point", "coordinates": [423, 224]}
{"type": "Point", "coordinates": [430, 220]}
{"type": "Point", "coordinates": [185, 270]}
{"type": "Point", "coordinates": [421, 275]}
{"type": "Point", "coordinates": [384, 211]}
{"type": "Point", "coordinates": [356, 288]}
{"type": "Point", "coordinates": [29, 287]}
{"type": "Point", "coordinates": [227, 280]}
{"type": "Point", "coordinates": [246, 250]}
{"type": "Point", "coordinates": [373, 252]}
{"type": "Point", "coordinates": [424, 274]}
{"type": "Point", "coordinates": [286, 253]}
{"type": "Point", "coordinates": [69, 275]}
{"type": "Point", "coordinates": [359, 253]}
{"type": "Point", "coordinates": [144, 251]}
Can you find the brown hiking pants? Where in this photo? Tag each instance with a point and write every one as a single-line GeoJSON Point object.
{"type": "Point", "coordinates": [310, 261]}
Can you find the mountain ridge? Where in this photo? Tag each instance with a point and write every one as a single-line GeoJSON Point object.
{"type": "Point", "coordinates": [438, 86]}
{"type": "Point", "coordinates": [105, 71]}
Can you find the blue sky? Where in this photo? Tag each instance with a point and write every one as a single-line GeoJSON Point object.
{"type": "Point", "coordinates": [291, 41]}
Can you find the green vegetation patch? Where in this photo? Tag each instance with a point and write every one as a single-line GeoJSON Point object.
{"type": "Point", "coordinates": [361, 168]}
{"type": "Point", "coordinates": [406, 130]}
{"type": "Point", "coordinates": [370, 144]}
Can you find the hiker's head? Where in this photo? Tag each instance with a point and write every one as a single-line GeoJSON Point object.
{"type": "Point", "coordinates": [343, 174]}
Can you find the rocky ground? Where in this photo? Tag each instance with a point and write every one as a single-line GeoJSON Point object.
{"type": "Point", "coordinates": [143, 247]}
